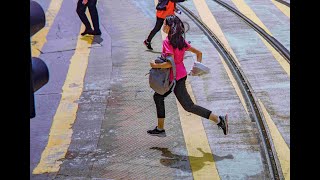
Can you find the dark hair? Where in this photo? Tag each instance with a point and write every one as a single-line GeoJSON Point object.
{"type": "Point", "coordinates": [176, 33]}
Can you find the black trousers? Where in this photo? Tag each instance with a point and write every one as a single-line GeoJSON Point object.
{"type": "Point", "coordinates": [184, 99]}
{"type": "Point", "coordinates": [81, 9]}
{"type": "Point", "coordinates": [156, 29]}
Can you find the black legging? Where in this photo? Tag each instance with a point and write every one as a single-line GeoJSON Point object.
{"type": "Point", "coordinates": [81, 9]}
{"type": "Point", "coordinates": [156, 28]}
{"type": "Point", "coordinates": [183, 97]}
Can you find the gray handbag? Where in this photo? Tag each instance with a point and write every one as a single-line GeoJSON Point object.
{"type": "Point", "coordinates": [159, 77]}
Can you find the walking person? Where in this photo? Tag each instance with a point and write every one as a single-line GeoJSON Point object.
{"type": "Point", "coordinates": [175, 46]}
{"type": "Point", "coordinates": [81, 9]}
{"type": "Point", "coordinates": [161, 13]}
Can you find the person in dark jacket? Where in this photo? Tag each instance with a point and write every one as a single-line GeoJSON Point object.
{"type": "Point", "coordinates": [167, 8]}
{"type": "Point", "coordinates": [81, 9]}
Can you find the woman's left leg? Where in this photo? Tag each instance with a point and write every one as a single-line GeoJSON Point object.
{"type": "Point", "coordinates": [186, 102]}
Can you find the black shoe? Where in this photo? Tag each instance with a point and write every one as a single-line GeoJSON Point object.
{"type": "Point", "coordinates": [156, 132]}
{"type": "Point", "coordinates": [87, 31]}
{"type": "Point", "coordinates": [223, 124]}
{"type": "Point", "coordinates": [96, 32]}
{"type": "Point", "coordinates": [147, 44]}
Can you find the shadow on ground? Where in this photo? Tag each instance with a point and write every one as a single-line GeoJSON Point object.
{"type": "Point", "coordinates": [182, 162]}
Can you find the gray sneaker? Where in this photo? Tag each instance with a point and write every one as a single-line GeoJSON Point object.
{"type": "Point", "coordinates": [223, 124]}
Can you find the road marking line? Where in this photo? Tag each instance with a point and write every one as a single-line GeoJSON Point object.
{"type": "Point", "coordinates": [248, 12]}
{"type": "Point", "coordinates": [282, 149]}
{"type": "Point", "coordinates": [235, 84]}
{"type": "Point", "coordinates": [202, 164]}
{"type": "Point", "coordinates": [61, 129]}
{"type": "Point", "coordinates": [40, 38]}
{"type": "Point", "coordinates": [283, 63]}
{"type": "Point", "coordinates": [283, 8]}
{"type": "Point", "coordinates": [208, 18]}
{"type": "Point", "coordinates": [283, 152]}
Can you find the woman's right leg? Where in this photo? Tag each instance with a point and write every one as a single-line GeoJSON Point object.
{"type": "Point", "coordinates": [159, 101]}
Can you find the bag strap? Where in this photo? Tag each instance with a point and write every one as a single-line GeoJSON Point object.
{"type": "Point", "coordinates": [173, 83]}
{"type": "Point", "coordinates": [169, 58]}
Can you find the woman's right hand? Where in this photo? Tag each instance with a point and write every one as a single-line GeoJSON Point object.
{"type": "Point", "coordinates": [197, 52]}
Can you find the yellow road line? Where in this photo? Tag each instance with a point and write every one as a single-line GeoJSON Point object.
{"type": "Point", "coordinates": [281, 147]}
{"type": "Point", "coordinates": [208, 18]}
{"type": "Point", "coordinates": [283, 151]}
{"type": "Point", "coordinates": [283, 8]}
{"type": "Point", "coordinates": [199, 151]}
{"type": "Point", "coordinates": [61, 129]}
{"type": "Point", "coordinates": [39, 39]}
{"type": "Point", "coordinates": [235, 84]}
{"type": "Point", "coordinates": [203, 166]}
{"type": "Point", "coordinates": [247, 11]}
{"type": "Point", "coordinates": [283, 63]}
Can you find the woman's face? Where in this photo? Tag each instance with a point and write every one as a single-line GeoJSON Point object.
{"type": "Point", "coordinates": [165, 27]}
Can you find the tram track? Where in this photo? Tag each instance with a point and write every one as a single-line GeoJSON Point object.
{"type": "Point", "coordinates": [270, 39]}
{"type": "Point", "coordinates": [283, 2]}
{"type": "Point", "coordinates": [255, 111]}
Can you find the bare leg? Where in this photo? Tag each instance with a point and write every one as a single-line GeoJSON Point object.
{"type": "Point", "coordinates": [214, 118]}
{"type": "Point", "coordinates": [161, 123]}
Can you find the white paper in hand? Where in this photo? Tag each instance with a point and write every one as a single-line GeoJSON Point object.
{"type": "Point", "coordinates": [199, 69]}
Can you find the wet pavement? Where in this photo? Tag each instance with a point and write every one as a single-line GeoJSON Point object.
{"type": "Point", "coordinates": [115, 108]}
